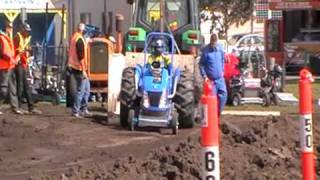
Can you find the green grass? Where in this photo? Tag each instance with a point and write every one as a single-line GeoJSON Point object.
{"type": "Point", "coordinates": [291, 87]}
{"type": "Point", "coordinates": [287, 109]}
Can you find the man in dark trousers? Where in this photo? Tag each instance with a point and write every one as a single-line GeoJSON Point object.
{"type": "Point", "coordinates": [212, 68]}
{"type": "Point", "coordinates": [77, 64]}
{"type": "Point", "coordinates": [7, 65]}
{"type": "Point", "coordinates": [23, 49]}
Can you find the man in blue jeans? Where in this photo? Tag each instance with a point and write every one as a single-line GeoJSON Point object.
{"type": "Point", "coordinates": [77, 66]}
{"type": "Point", "coordinates": [82, 97]}
{"type": "Point", "coordinates": [212, 68]}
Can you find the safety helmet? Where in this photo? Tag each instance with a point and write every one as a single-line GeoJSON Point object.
{"type": "Point", "coordinates": [81, 26]}
{"type": "Point", "coordinates": [158, 46]}
{"type": "Point", "coordinates": [277, 69]}
{"type": "Point", "coordinates": [26, 27]}
{"type": "Point", "coordinates": [112, 39]}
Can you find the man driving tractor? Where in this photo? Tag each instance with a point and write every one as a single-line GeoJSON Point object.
{"type": "Point", "coordinates": [158, 56]}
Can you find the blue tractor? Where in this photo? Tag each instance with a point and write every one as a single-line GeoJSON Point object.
{"type": "Point", "coordinates": [149, 93]}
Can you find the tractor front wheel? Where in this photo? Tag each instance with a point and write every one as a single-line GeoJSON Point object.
{"type": "Point", "coordinates": [132, 124]}
{"type": "Point", "coordinates": [174, 123]}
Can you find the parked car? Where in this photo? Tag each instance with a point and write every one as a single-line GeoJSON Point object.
{"type": "Point", "coordinates": [245, 42]}
{"type": "Point", "coordinates": [295, 56]}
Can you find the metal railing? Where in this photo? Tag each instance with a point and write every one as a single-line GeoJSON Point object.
{"type": "Point", "coordinates": [47, 68]}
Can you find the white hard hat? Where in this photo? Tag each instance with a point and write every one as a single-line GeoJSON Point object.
{"type": "Point", "coordinates": [112, 39]}
{"type": "Point", "coordinates": [81, 26]}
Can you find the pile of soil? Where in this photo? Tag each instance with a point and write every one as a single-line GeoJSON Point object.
{"type": "Point", "coordinates": [252, 148]}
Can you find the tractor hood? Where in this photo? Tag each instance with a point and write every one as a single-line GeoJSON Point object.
{"type": "Point", "coordinates": [152, 84]}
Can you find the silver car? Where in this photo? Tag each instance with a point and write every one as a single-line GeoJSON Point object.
{"type": "Point", "coordinates": [245, 42]}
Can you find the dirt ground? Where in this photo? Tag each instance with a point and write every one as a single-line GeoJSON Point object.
{"type": "Point", "coordinates": [54, 147]}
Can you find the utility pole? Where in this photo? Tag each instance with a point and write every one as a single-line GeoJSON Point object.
{"type": "Point", "coordinates": [104, 18]}
{"type": "Point", "coordinates": [73, 15]}
{"type": "Point", "coordinates": [252, 15]}
{"type": "Point", "coordinates": [162, 10]}
{"type": "Point", "coordinates": [70, 23]}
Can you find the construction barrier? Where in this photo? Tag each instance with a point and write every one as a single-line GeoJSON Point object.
{"type": "Point", "coordinates": [306, 136]}
{"type": "Point", "coordinates": [210, 135]}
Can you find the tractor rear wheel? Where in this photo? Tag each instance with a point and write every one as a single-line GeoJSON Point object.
{"type": "Point", "coordinates": [185, 100]}
{"type": "Point", "coordinates": [198, 91]}
{"type": "Point", "coordinates": [127, 95]}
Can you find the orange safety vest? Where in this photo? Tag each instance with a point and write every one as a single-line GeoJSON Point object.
{"type": "Point", "coordinates": [73, 60]}
{"type": "Point", "coordinates": [8, 50]}
{"type": "Point", "coordinates": [24, 44]}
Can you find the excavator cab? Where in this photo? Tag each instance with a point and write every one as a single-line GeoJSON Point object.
{"type": "Point", "coordinates": [179, 18]}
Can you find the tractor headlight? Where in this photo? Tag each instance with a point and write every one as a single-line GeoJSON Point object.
{"type": "Point", "coordinates": [146, 102]}
{"type": "Point", "coordinates": [163, 100]}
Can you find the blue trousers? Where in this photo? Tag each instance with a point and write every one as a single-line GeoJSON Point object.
{"type": "Point", "coordinates": [83, 93]}
{"type": "Point", "coordinates": [220, 89]}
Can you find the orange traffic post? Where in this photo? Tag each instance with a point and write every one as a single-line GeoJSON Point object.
{"type": "Point", "coordinates": [306, 141]}
{"type": "Point", "coordinates": [210, 135]}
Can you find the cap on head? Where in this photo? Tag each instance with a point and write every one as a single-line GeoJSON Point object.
{"type": "Point", "coordinates": [81, 26]}
{"type": "Point", "coordinates": [26, 27]}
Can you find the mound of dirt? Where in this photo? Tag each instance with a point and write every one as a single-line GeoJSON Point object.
{"type": "Point", "coordinates": [252, 148]}
{"type": "Point", "coordinates": [171, 162]}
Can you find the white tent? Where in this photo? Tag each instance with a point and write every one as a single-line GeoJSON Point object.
{"type": "Point", "coordinates": [28, 4]}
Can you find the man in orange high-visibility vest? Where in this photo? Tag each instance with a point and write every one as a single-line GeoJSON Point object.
{"type": "Point", "coordinates": [77, 65]}
{"type": "Point", "coordinates": [7, 64]}
{"type": "Point", "coordinates": [22, 46]}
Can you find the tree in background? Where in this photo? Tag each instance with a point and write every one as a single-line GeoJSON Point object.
{"type": "Point", "coordinates": [228, 12]}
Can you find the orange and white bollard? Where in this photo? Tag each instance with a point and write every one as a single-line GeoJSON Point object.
{"type": "Point", "coordinates": [210, 135]}
{"type": "Point", "coordinates": [306, 136]}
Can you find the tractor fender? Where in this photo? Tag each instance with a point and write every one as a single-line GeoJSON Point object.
{"type": "Point", "coordinates": [176, 77]}
{"type": "Point", "coordinates": [115, 68]}
{"type": "Point", "coordinates": [138, 70]}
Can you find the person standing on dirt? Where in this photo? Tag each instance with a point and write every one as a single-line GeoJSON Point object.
{"type": "Point", "coordinates": [7, 63]}
{"type": "Point", "coordinates": [23, 49]}
{"type": "Point", "coordinates": [212, 68]}
{"type": "Point", "coordinates": [77, 64]}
